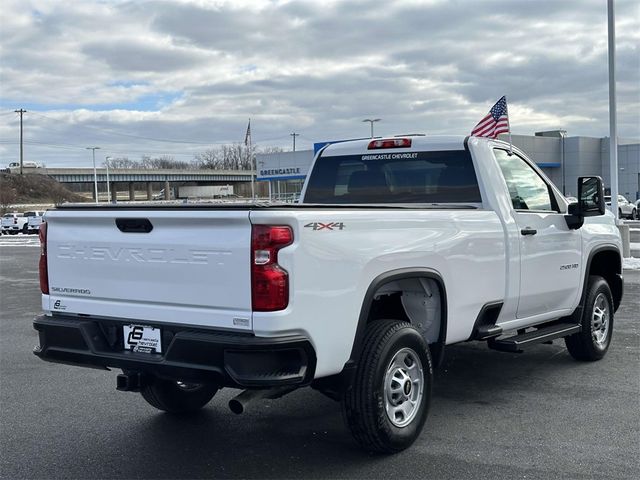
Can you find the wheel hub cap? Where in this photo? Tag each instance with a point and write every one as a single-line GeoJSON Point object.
{"type": "Point", "coordinates": [403, 387]}
{"type": "Point", "coordinates": [600, 319]}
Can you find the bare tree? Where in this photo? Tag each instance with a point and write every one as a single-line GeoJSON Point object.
{"type": "Point", "coordinates": [235, 156]}
{"type": "Point", "coordinates": [8, 196]}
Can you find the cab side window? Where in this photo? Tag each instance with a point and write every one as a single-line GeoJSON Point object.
{"type": "Point", "coordinates": [527, 189]}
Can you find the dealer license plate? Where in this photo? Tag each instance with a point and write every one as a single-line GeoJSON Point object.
{"type": "Point", "coordinates": [143, 339]}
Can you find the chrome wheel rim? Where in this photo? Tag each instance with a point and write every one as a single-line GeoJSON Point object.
{"type": "Point", "coordinates": [403, 387]}
{"type": "Point", "coordinates": [600, 320]}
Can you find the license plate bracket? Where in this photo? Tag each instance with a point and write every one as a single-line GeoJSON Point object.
{"type": "Point", "coordinates": [142, 339]}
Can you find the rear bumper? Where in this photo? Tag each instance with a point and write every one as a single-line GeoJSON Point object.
{"type": "Point", "coordinates": [228, 359]}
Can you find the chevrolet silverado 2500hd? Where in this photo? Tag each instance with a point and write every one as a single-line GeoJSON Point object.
{"type": "Point", "coordinates": [399, 247]}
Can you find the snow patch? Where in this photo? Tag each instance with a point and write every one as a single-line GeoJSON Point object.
{"type": "Point", "coordinates": [631, 263]}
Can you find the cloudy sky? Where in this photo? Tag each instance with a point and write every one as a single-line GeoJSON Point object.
{"type": "Point", "coordinates": [179, 76]}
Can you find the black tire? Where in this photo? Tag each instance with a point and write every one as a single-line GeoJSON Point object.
{"type": "Point", "coordinates": [177, 397]}
{"type": "Point", "coordinates": [634, 214]}
{"type": "Point", "coordinates": [592, 342]}
{"type": "Point", "coordinates": [25, 229]}
{"type": "Point", "coordinates": [365, 402]}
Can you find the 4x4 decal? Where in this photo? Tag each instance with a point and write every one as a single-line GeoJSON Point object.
{"type": "Point", "coordinates": [325, 226]}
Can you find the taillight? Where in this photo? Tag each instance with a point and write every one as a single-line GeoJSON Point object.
{"type": "Point", "coordinates": [389, 143]}
{"type": "Point", "coordinates": [269, 281]}
{"type": "Point", "coordinates": [42, 267]}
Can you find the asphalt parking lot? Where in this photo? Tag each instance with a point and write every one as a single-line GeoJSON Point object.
{"type": "Point", "coordinates": [534, 415]}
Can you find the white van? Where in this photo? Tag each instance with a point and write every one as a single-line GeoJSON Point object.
{"type": "Point", "coordinates": [14, 167]}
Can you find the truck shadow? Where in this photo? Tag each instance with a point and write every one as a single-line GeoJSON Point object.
{"type": "Point", "coordinates": [302, 434]}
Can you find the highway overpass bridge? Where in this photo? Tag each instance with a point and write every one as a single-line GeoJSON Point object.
{"type": "Point", "coordinates": [118, 177]}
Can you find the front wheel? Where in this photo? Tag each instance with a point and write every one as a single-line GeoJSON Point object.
{"type": "Point", "coordinates": [592, 341]}
{"type": "Point", "coordinates": [174, 396]}
{"type": "Point", "coordinates": [386, 406]}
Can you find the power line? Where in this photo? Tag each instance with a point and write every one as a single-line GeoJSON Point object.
{"type": "Point", "coordinates": [143, 137]}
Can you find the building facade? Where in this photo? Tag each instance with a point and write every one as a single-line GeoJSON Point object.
{"type": "Point", "coordinates": [561, 157]}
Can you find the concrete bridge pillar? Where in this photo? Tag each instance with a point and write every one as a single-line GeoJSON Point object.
{"type": "Point", "coordinates": [149, 191]}
{"type": "Point", "coordinates": [132, 191]}
{"type": "Point", "coordinates": [114, 191]}
{"type": "Point", "coordinates": [167, 191]}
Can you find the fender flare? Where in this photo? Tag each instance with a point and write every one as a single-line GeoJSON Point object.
{"type": "Point", "coordinates": [392, 276]}
{"type": "Point", "coordinates": [585, 280]}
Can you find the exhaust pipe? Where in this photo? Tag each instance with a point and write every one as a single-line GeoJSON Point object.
{"type": "Point", "coordinates": [238, 404]}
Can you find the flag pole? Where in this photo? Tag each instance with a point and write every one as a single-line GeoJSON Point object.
{"type": "Point", "coordinates": [508, 126]}
{"type": "Point", "coordinates": [247, 143]}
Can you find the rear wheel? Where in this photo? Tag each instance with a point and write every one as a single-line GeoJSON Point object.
{"type": "Point", "coordinates": [592, 342]}
{"type": "Point", "coordinates": [175, 396]}
{"type": "Point", "coordinates": [388, 403]}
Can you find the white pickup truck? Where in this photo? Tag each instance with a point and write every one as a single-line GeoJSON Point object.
{"type": "Point", "coordinates": [400, 247]}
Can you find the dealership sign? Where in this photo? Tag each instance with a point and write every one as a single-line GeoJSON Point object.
{"type": "Point", "coordinates": [283, 165]}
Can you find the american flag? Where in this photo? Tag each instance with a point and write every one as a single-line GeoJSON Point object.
{"type": "Point", "coordinates": [495, 122]}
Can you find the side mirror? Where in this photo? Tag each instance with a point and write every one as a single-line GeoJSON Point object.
{"type": "Point", "coordinates": [591, 196]}
{"type": "Point", "coordinates": [590, 202]}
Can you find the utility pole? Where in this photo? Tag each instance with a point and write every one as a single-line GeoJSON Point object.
{"type": "Point", "coordinates": [294, 135]}
{"type": "Point", "coordinates": [95, 172]}
{"type": "Point", "coordinates": [21, 111]}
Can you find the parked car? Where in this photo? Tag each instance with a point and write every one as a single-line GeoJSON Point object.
{"type": "Point", "coordinates": [626, 209]}
{"type": "Point", "coordinates": [399, 248]}
{"type": "Point", "coordinates": [34, 222]}
{"type": "Point", "coordinates": [13, 223]}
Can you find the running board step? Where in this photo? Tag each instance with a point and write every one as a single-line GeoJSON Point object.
{"type": "Point", "coordinates": [545, 334]}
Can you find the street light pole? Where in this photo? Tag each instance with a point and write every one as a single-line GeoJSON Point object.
{"type": "Point", "coordinates": [106, 162]}
{"type": "Point", "coordinates": [95, 173]}
{"type": "Point", "coordinates": [371, 121]}
{"type": "Point", "coordinates": [613, 125]}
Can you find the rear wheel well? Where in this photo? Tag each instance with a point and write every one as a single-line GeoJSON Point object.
{"type": "Point", "coordinates": [397, 295]}
{"type": "Point", "coordinates": [608, 265]}
{"type": "Point", "coordinates": [421, 301]}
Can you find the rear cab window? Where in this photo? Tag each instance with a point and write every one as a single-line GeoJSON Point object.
{"type": "Point", "coordinates": [408, 177]}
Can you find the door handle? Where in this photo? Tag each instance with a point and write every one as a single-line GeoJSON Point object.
{"type": "Point", "coordinates": [528, 231]}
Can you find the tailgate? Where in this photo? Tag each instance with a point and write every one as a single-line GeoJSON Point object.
{"type": "Point", "coordinates": [191, 268]}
